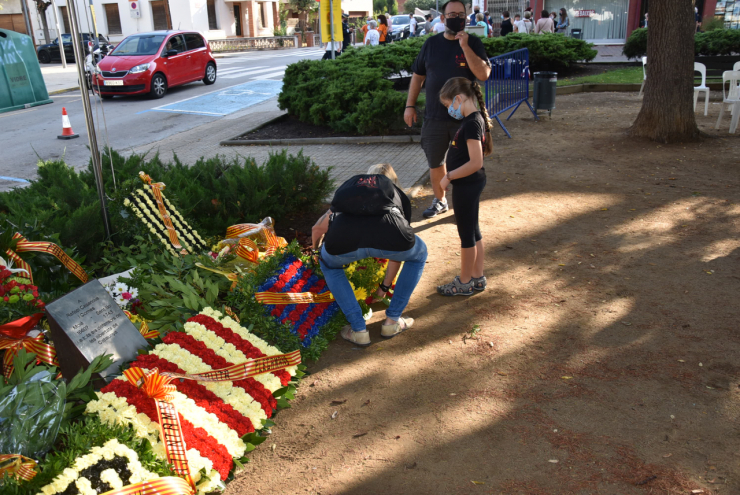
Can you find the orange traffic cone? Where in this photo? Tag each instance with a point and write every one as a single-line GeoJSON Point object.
{"type": "Point", "coordinates": [67, 132]}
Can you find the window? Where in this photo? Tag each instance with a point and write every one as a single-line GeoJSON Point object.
{"type": "Point", "coordinates": [159, 15]}
{"type": "Point", "coordinates": [175, 43]}
{"type": "Point", "coordinates": [212, 21]}
{"type": "Point", "coordinates": [65, 19]}
{"type": "Point", "coordinates": [194, 41]}
{"type": "Point", "coordinates": [263, 15]}
{"type": "Point", "coordinates": [113, 17]}
{"type": "Point", "coordinates": [145, 44]}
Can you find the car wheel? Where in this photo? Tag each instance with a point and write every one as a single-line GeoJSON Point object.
{"type": "Point", "coordinates": [210, 77]}
{"type": "Point", "coordinates": [44, 57]}
{"type": "Point", "coordinates": [158, 86]}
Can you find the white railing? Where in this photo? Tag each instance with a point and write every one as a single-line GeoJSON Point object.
{"type": "Point", "coordinates": [244, 44]}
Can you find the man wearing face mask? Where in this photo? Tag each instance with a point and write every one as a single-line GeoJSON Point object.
{"type": "Point", "coordinates": [442, 57]}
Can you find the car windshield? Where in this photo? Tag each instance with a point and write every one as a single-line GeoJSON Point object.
{"type": "Point", "coordinates": [400, 20]}
{"type": "Point", "coordinates": [139, 45]}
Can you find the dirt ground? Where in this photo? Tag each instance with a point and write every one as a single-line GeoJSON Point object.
{"type": "Point", "coordinates": [607, 357]}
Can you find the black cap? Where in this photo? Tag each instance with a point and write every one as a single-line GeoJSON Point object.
{"type": "Point", "coordinates": [345, 15]}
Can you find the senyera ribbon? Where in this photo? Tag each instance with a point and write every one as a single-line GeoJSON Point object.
{"type": "Point", "coordinates": [158, 386]}
{"type": "Point", "coordinates": [18, 466]}
{"type": "Point", "coordinates": [24, 245]}
{"type": "Point", "coordinates": [157, 188]}
{"type": "Point", "coordinates": [144, 328]}
{"type": "Point", "coordinates": [283, 298]}
{"type": "Point", "coordinates": [13, 338]}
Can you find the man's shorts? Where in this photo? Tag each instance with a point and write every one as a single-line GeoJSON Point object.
{"type": "Point", "coordinates": [435, 140]}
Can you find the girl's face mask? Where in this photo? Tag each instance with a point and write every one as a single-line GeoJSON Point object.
{"type": "Point", "coordinates": [455, 113]}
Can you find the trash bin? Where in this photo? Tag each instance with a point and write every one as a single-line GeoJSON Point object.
{"type": "Point", "coordinates": [576, 34]}
{"type": "Point", "coordinates": [21, 82]}
{"type": "Point", "coordinates": [545, 87]}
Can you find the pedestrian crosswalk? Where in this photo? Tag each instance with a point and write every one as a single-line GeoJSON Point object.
{"type": "Point", "coordinates": [237, 67]}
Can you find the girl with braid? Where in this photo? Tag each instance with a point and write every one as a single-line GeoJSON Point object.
{"type": "Point", "coordinates": [464, 101]}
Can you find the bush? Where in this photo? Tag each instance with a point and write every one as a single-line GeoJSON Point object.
{"type": "Point", "coordinates": [546, 51]}
{"type": "Point", "coordinates": [212, 194]}
{"type": "Point", "coordinates": [710, 43]}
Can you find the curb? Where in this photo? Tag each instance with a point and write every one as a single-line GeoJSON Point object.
{"type": "Point", "coordinates": [60, 91]}
{"type": "Point", "coordinates": [330, 140]}
{"type": "Point", "coordinates": [414, 190]}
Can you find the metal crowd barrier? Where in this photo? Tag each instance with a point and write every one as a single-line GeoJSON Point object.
{"type": "Point", "coordinates": [508, 86]}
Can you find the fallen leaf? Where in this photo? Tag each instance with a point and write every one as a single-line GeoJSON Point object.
{"type": "Point", "coordinates": [681, 361]}
{"type": "Point", "coordinates": [316, 382]}
{"type": "Point", "coordinates": [491, 344]}
{"type": "Point", "coordinates": [626, 323]}
{"type": "Point", "coordinates": [452, 395]}
{"type": "Point", "coordinates": [477, 482]}
{"type": "Point", "coordinates": [338, 402]}
{"type": "Point", "coordinates": [561, 264]}
{"type": "Point", "coordinates": [604, 209]}
{"type": "Point", "coordinates": [411, 466]}
{"type": "Point", "coordinates": [358, 435]}
{"type": "Point", "coordinates": [697, 491]}
{"type": "Point", "coordinates": [273, 447]}
{"type": "Point", "coordinates": [334, 415]}
{"type": "Point", "coordinates": [667, 455]}
{"type": "Point", "coordinates": [398, 437]}
{"type": "Point", "coordinates": [367, 403]}
{"type": "Point", "coordinates": [554, 461]}
{"type": "Point", "coordinates": [566, 377]}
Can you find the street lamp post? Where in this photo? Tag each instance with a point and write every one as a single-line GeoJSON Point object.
{"type": "Point", "coordinates": [331, 27]}
{"type": "Point", "coordinates": [59, 33]}
{"type": "Point", "coordinates": [89, 124]}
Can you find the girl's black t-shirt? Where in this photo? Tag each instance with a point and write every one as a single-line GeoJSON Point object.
{"type": "Point", "coordinates": [506, 27]}
{"type": "Point", "coordinates": [473, 127]}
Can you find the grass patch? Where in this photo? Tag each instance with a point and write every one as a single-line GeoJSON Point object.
{"type": "Point", "coordinates": [631, 75]}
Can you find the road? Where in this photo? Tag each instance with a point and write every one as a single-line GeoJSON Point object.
{"type": "Point", "coordinates": [243, 80]}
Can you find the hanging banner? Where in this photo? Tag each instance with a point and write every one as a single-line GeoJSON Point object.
{"type": "Point", "coordinates": [325, 5]}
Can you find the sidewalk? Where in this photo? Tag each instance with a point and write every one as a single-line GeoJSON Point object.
{"type": "Point", "coordinates": [343, 160]}
{"type": "Point", "coordinates": [609, 54]}
{"type": "Point", "coordinates": [59, 80]}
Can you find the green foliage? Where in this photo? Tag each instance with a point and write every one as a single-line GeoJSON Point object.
{"type": "Point", "coordinates": [214, 193]}
{"type": "Point", "coordinates": [636, 44]}
{"type": "Point", "coordinates": [392, 8]}
{"type": "Point", "coordinates": [410, 6]}
{"type": "Point", "coordinates": [76, 440]}
{"type": "Point", "coordinates": [716, 41]}
{"type": "Point", "coordinates": [34, 404]}
{"type": "Point", "coordinates": [712, 24]}
{"type": "Point", "coordinates": [546, 51]}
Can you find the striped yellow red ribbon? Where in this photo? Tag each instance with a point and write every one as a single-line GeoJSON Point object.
{"type": "Point", "coordinates": [168, 485]}
{"type": "Point", "coordinates": [263, 229]}
{"type": "Point", "coordinates": [18, 466]}
{"type": "Point", "coordinates": [44, 352]}
{"type": "Point", "coordinates": [283, 298]}
{"type": "Point", "coordinates": [143, 328]}
{"type": "Point", "coordinates": [231, 313]}
{"type": "Point", "coordinates": [24, 245]}
{"type": "Point", "coordinates": [248, 250]}
{"type": "Point", "coordinates": [231, 276]}
{"type": "Point", "coordinates": [157, 188]}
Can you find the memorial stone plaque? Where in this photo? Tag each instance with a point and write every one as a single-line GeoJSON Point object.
{"type": "Point", "coordinates": [86, 323]}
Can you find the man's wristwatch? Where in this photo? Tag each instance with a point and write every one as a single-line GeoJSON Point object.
{"type": "Point", "coordinates": [384, 288]}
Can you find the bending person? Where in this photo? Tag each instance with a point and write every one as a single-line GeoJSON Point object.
{"type": "Point", "coordinates": [370, 217]}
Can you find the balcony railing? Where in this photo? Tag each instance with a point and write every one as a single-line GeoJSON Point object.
{"type": "Point", "coordinates": [245, 44]}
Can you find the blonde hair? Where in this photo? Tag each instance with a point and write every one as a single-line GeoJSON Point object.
{"type": "Point", "coordinates": [463, 86]}
{"type": "Point", "coordinates": [479, 17]}
{"type": "Point", "coordinates": [384, 169]}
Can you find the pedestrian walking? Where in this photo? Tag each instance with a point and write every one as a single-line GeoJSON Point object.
{"type": "Point", "coordinates": [506, 25]}
{"type": "Point", "coordinates": [645, 22]}
{"type": "Point", "coordinates": [455, 54]}
{"type": "Point", "coordinates": [346, 32]}
{"type": "Point", "coordinates": [412, 26]}
{"type": "Point", "coordinates": [428, 24]}
{"type": "Point", "coordinates": [373, 36]}
{"type": "Point", "coordinates": [563, 22]}
{"type": "Point", "coordinates": [472, 141]}
{"type": "Point", "coordinates": [482, 23]}
{"type": "Point", "coordinates": [370, 216]}
{"type": "Point", "coordinates": [544, 24]}
{"type": "Point", "coordinates": [383, 29]}
{"type": "Point", "coordinates": [697, 19]}
{"type": "Point", "coordinates": [525, 25]}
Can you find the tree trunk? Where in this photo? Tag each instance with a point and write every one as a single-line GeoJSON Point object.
{"type": "Point", "coordinates": [667, 113]}
{"type": "Point", "coordinates": [41, 7]}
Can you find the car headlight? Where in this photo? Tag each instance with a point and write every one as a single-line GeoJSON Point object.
{"type": "Point", "coordinates": [96, 69]}
{"type": "Point", "coordinates": [139, 68]}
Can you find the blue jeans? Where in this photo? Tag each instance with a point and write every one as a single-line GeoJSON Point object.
{"type": "Point", "coordinates": [414, 260]}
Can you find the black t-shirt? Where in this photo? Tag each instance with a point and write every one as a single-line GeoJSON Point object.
{"type": "Point", "coordinates": [506, 27]}
{"type": "Point", "coordinates": [440, 60]}
{"type": "Point", "coordinates": [473, 127]}
{"type": "Point", "coordinates": [390, 231]}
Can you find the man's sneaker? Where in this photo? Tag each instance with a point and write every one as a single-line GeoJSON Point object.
{"type": "Point", "coordinates": [436, 208]}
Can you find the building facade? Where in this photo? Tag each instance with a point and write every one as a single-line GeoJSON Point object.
{"type": "Point", "coordinates": [116, 19]}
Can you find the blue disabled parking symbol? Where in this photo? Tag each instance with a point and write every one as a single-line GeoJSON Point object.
{"type": "Point", "coordinates": [226, 101]}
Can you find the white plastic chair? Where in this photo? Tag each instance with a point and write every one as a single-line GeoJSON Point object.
{"type": "Point", "coordinates": [644, 75]}
{"type": "Point", "coordinates": [732, 98]}
{"type": "Point", "coordinates": [701, 69]}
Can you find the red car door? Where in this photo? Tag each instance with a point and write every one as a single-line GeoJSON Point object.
{"type": "Point", "coordinates": [176, 63]}
{"type": "Point", "coordinates": [197, 51]}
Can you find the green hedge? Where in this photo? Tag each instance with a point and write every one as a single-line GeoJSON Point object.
{"type": "Point", "coordinates": [353, 94]}
{"type": "Point", "coordinates": [710, 43]}
{"type": "Point", "coordinates": [212, 194]}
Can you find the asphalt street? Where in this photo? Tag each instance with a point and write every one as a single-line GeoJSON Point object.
{"type": "Point", "coordinates": [243, 80]}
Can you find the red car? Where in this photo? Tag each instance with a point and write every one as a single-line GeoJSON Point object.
{"type": "Point", "coordinates": [152, 62]}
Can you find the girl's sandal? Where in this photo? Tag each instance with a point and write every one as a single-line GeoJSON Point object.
{"type": "Point", "coordinates": [456, 288]}
{"type": "Point", "coordinates": [479, 283]}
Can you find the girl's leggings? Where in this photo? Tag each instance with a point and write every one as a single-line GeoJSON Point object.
{"type": "Point", "coordinates": [465, 202]}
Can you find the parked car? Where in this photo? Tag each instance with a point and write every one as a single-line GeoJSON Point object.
{"type": "Point", "coordinates": [153, 62]}
{"type": "Point", "coordinates": [401, 26]}
{"type": "Point", "coordinates": [51, 53]}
